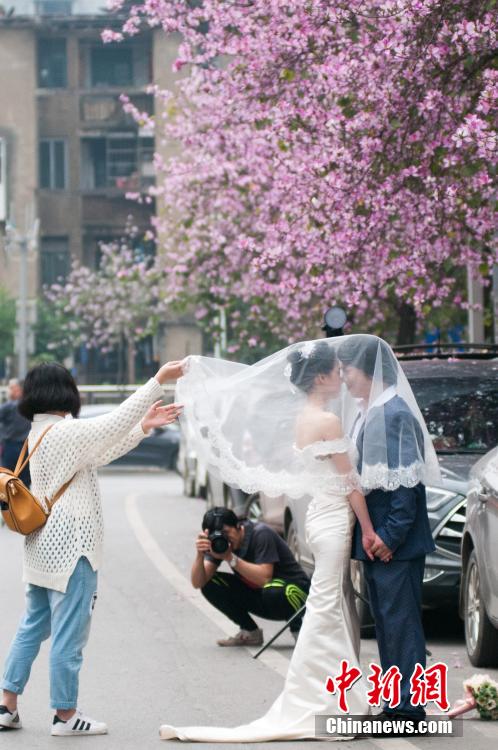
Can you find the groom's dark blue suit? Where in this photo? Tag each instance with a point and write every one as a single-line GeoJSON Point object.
{"type": "Point", "coordinates": [400, 519]}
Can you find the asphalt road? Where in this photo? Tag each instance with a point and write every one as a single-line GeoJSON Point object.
{"type": "Point", "coordinates": [152, 656]}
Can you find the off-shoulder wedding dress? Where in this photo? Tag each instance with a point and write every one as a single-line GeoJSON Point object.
{"type": "Point", "coordinates": [330, 631]}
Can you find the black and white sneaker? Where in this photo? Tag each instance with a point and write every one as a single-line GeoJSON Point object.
{"type": "Point", "coordinates": [9, 719]}
{"type": "Point", "coordinates": [78, 725]}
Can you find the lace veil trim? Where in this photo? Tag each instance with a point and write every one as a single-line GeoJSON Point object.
{"type": "Point", "coordinates": [377, 476]}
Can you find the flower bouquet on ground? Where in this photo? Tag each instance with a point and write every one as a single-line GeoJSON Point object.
{"type": "Point", "coordinates": [481, 693]}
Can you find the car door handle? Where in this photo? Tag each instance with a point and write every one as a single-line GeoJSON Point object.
{"type": "Point", "coordinates": [484, 494]}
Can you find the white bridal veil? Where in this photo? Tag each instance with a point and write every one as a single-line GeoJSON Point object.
{"type": "Point", "coordinates": [243, 421]}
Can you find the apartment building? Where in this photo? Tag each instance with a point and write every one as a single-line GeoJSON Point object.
{"type": "Point", "coordinates": [68, 152]}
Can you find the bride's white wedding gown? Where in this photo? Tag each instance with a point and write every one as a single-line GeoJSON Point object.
{"type": "Point", "coordinates": [330, 631]}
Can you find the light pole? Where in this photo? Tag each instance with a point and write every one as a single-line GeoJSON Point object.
{"type": "Point", "coordinates": [334, 322]}
{"type": "Point", "coordinates": [220, 347]}
{"type": "Point", "coordinates": [22, 309]}
{"type": "Point", "coordinates": [23, 243]}
{"type": "Point", "coordinates": [475, 312]}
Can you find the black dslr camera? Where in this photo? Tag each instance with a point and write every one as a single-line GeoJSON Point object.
{"type": "Point", "coordinates": [219, 542]}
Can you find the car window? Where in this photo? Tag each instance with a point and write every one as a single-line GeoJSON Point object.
{"type": "Point", "coordinates": [461, 413]}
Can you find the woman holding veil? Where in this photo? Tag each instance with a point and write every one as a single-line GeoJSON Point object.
{"type": "Point", "coordinates": [281, 426]}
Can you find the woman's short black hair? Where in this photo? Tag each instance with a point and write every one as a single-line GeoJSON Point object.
{"type": "Point", "coordinates": [305, 367]}
{"type": "Point", "coordinates": [49, 387]}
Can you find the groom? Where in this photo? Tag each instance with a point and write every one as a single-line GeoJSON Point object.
{"type": "Point", "coordinates": [399, 516]}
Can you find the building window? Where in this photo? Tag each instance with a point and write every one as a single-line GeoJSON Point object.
{"type": "Point", "coordinates": [122, 161]}
{"type": "Point", "coordinates": [111, 66]}
{"type": "Point", "coordinates": [53, 7]}
{"type": "Point", "coordinates": [54, 253]}
{"type": "Point", "coordinates": [52, 64]}
{"type": "Point", "coordinates": [53, 164]}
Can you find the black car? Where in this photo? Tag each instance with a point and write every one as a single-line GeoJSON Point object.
{"type": "Point", "coordinates": [458, 398]}
{"type": "Point", "coordinates": [159, 449]}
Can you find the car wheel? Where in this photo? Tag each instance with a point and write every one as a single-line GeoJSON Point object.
{"type": "Point", "coordinates": [252, 509]}
{"type": "Point", "coordinates": [363, 609]}
{"type": "Point", "coordinates": [292, 540]}
{"type": "Point", "coordinates": [481, 637]}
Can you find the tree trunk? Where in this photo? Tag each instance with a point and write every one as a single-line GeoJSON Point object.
{"type": "Point", "coordinates": [131, 371]}
{"type": "Point", "coordinates": [120, 374]}
{"type": "Point", "coordinates": [407, 324]}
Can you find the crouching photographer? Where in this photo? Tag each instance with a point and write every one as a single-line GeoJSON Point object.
{"type": "Point", "coordinates": [266, 580]}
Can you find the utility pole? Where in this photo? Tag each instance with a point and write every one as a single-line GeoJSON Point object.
{"type": "Point", "coordinates": [220, 347]}
{"type": "Point", "coordinates": [22, 244]}
{"type": "Point", "coordinates": [22, 308]}
{"type": "Point", "coordinates": [495, 301]}
{"type": "Point", "coordinates": [475, 317]}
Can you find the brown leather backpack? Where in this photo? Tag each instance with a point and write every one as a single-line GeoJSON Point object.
{"type": "Point", "coordinates": [21, 510]}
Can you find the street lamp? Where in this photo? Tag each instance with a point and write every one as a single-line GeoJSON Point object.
{"type": "Point", "coordinates": [335, 320]}
{"type": "Point", "coordinates": [23, 243]}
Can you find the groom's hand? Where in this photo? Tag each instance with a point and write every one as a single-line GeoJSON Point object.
{"type": "Point", "coordinates": [381, 550]}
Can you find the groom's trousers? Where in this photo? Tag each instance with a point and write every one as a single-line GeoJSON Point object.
{"type": "Point", "coordinates": [395, 591]}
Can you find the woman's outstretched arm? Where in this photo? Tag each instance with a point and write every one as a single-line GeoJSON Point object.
{"type": "Point", "coordinates": [84, 442]}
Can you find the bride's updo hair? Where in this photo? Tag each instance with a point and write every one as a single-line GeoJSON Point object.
{"type": "Point", "coordinates": [307, 363]}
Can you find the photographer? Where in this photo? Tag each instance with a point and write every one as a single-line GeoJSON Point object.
{"type": "Point", "coordinates": [266, 581]}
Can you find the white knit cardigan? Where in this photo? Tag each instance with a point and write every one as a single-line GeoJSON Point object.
{"type": "Point", "coordinates": [77, 447]}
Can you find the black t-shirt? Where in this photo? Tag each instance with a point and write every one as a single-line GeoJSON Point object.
{"type": "Point", "coordinates": [261, 544]}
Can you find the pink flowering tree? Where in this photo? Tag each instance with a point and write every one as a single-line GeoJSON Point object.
{"type": "Point", "coordinates": [328, 153]}
{"type": "Point", "coordinates": [120, 303]}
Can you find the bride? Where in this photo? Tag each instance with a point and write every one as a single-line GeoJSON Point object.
{"type": "Point", "coordinates": [281, 426]}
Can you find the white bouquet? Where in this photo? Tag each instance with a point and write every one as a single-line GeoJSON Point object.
{"type": "Point", "coordinates": [481, 693]}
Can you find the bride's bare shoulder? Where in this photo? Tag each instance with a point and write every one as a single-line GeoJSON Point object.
{"type": "Point", "coordinates": [315, 425]}
{"type": "Point", "coordinates": [331, 426]}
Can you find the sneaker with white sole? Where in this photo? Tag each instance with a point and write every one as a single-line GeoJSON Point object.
{"type": "Point", "coordinates": [9, 719]}
{"type": "Point", "coordinates": [243, 638]}
{"type": "Point", "coordinates": [78, 725]}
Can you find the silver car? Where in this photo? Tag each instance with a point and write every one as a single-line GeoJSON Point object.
{"type": "Point", "coordinates": [479, 586]}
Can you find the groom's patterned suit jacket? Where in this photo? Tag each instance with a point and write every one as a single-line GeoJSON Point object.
{"type": "Point", "coordinates": [399, 516]}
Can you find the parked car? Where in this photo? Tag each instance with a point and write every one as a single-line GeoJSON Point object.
{"type": "Point", "coordinates": [160, 448]}
{"type": "Point", "coordinates": [479, 584]}
{"type": "Point", "coordinates": [190, 467]}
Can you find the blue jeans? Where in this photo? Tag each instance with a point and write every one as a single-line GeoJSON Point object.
{"type": "Point", "coordinates": [66, 617]}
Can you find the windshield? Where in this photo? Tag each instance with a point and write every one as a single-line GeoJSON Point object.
{"type": "Point", "coordinates": [461, 413]}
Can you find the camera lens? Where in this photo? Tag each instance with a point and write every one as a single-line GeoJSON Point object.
{"type": "Point", "coordinates": [219, 542]}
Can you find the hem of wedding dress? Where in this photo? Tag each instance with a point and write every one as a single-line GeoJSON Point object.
{"type": "Point", "coordinates": [169, 732]}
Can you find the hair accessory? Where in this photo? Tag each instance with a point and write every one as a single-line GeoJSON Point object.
{"type": "Point", "coordinates": [307, 350]}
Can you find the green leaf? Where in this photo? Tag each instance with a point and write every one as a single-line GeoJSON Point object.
{"type": "Point", "coordinates": [262, 123]}
{"type": "Point", "coordinates": [470, 169]}
{"type": "Point", "coordinates": [287, 74]}
{"type": "Point", "coordinates": [343, 101]}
